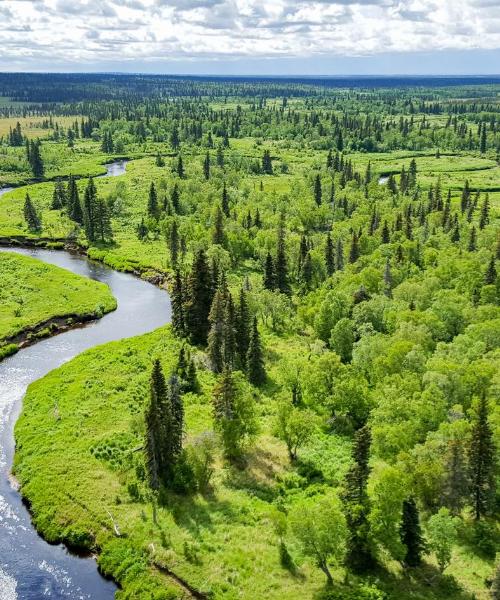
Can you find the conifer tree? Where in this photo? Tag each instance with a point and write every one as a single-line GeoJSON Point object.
{"type": "Point", "coordinates": [89, 210]}
{"type": "Point", "coordinates": [173, 243]}
{"type": "Point", "coordinates": [199, 300]}
{"type": "Point", "coordinates": [456, 483]}
{"type": "Point", "coordinates": [242, 327]}
{"type": "Point", "coordinates": [218, 236]}
{"type": "Point", "coordinates": [317, 190]}
{"type": "Point", "coordinates": [180, 167]}
{"type": "Point", "coordinates": [177, 303]}
{"type": "Point", "coordinates": [482, 143]}
{"type": "Point", "coordinates": [411, 534]}
{"type": "Point", "coordinates": [206, 166]}
{"type": "Point", "coordinates": [142, 230]}
{"type": "Point", "coordinates": [484, 219]}
{"type": "Point", "coordinates": [329, 256]}
{"type": "Point", "coordinates": [159, 162]}
{"type": "Point", "coordinates": [152, 201]}
{"type": "Point", "coordinates": [35, 160]}
{"type": "Point", "coordinates": [175, 199]}
{"type": "Point", "coordinates": [31, 216]}
{"type": "Point", "coordinates": [255, 361]}
{"type": "Point", "coordinates": [339, 256]}
{"type": "Point", "coordinates": [354, 251]}
{"type": "Point", "coordinates": [306, 272]}
{"type": "Point", "coordinates": [490, 275]}
{"type": "Point", "coordinates": [280, 267]}
{"type": "Point", "coordinates": [215, 348]}
{"type": "Point", "coordinates": [225, 200]}
{"type": "Point", "coordinates": [102, 222]}
{"type": "Point", "coordinates": [482, 454]}
{"type": "Point", "coordinates": [269, 273]}
{"type": "Point", "coordinates": [267, 164]}
{"type": "Point", "coordinates": [385, 234]}
{"type": "Point", "coordinates": [59, 196]}
{"type": "Point", "coordinates": [229, 333]}
{"type": "Point", "coordinates": [388, 279]}
{"type": "Point", "coordinates": [472, 245]}
{"type": "Point", "coordinates": [357, 506]}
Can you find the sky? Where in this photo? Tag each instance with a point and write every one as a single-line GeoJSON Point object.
{"type": "Point", "coordinates": [251, 37]}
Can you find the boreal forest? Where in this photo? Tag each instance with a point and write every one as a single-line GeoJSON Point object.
{"type": "Point", "coordinates": [318, 415]}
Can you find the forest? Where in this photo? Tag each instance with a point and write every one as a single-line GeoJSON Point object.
{"type": "Point", "coordinates": [320, 418]}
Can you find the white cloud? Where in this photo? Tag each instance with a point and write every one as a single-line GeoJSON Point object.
{"type": "Point", "coordinates": [126, 30]}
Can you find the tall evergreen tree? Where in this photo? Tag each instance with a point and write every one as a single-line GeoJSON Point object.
{"type": "Point", "coordinates": [411, 534]}
{"type": "Point", "coordinates": [31, 216]}
{"type": "Point", "coordinates": [317, 190]}
{"type": "Point", "coordinates": [35, 160]}
{"type": "Point", "coordinates": [255, 360]}
{"type": "Point", "coordinates": [153, 201]}
{"type": "Point", "coordinates": [206, 166]}
{"type": "Point", "coordinates": [280, 267]}
{"type": "Point", "coordinates": [329, 256]}
{"type": "Point", "coordinates": [59, 196]}
{"type": "Point", "coordinates": [102, 222]}
{"type": "Point", "coordinates": [218, 236]}
{"type": "Point", "coordinates": [354, 251]}
{"type": "Point", "coordinates": [225, 200]}
{"type": "Point", "coordinates": [388, 279]}
{"type": "Point", "coordinates": [357, 506]}
{"type": "Point", "coordinates": [199, 299]}
{"type": "Point", "coordinates": [482, 455]}
{"type": "Point", "coordinates": [269, 273]}
{"type": "Point", "coordinates": [180, 167]}
{"type": "Point", "coordinates": [490, 275]}
{"type": "Point", "coordinates": [75, 212]}
{"type": "Point", "coordinates": [177, 300]}
{"type": "Point", "coordinates": [89, 210]}
{"type": "Point", "coordinates": [215, 348]}
{"type": "Point", "coordinates": [484, 219]}
{"type": "Point", "coordinates": [242, 327]}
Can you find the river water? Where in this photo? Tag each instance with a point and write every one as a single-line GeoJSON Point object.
{"type": "Point", "coordinates": [31, 569]}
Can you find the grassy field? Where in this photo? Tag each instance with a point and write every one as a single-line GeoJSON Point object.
{"type": "Point", "coordinates": [33, 292]}
{"type": "Point", "coordinates": [77, 446]}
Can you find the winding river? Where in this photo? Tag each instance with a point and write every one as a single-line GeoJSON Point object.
{"type": "Point", "coordinates": [30, 568]}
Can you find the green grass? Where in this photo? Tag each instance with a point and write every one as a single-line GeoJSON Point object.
{"type": "Point", "coordinates": [33, 292]}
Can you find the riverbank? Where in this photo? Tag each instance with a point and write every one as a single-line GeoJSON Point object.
{"type": "Point", "coordinates": [141, 307]}
{"type": "Point", "coordinates": [40, 300]}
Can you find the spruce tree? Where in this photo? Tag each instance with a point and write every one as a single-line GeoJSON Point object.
{"type": "Point", "coordinates": [359, 555]}
{"type": "Point", "coordinates": [385, 234]}
{"type": "Point", "coordinates": [317, 190]}
{"type": "Point", "coordinates": [142, 230]}
{"type": "Point", "coordinates": [59, 196]}
{"type": "Point", "coordinates": [152, 201]}
{"type": "Point", "coordinates": [388, 279]}
{"type": "Point", "coordinates": [354, 251]}
{"type": "Point", "coordinates": [35, 159]}
{"type": "Point", "coordinates": [484, 219]}
{"type": "Point", "coordinates": [180, 167]}
{"type": "Point", "coordinates": [472, 245]}
{"type": "Point", "coordinates": [242, 326]}
{"type": "Point", "coordinates": [225, 200]}
{"type": "Point", "coordinates": [31, 216]}
{"type": "Point", "coordinates": [175, 199]}
{"type": "Point", "coordinates": [74, 206]}
{"type": "Point", "coordinates": [255, 360]}
{"type": "Point", "coordinates": [177, 303]}
{"type": "Point", "coordinates": [218, 236]}
{"type": "Point", "coordinates": [215, 348]}
{"type": "Point", "coordinates": [339, 256]}
{"type": "Point", "coordinates": [329, 256]}
{"type": "Point", "coordinates": [281, 269]}
{"type": "Point", "coordinates": [269, 273]}
{"type": "Point", "coordinates": [199, 299]}
{"type": "Point", "coordinates": [490, 275]}
{"type": "Point", "coordinates": [411, 534]}
{"type": "Point", "coordinates": [89, 210]}
{"type": "Point", "coordinates": [206, 166]}
{"type": "Point", "coordinates": [102, 222]}
{"type": "Point", "coordinates": [482, 454]}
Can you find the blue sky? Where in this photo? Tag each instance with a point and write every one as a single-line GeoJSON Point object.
{"type": "Point", "coordinates": [273, 37]}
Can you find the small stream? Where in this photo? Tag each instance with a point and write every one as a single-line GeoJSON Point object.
{"type": "Point", "coordinates": [30, 568]}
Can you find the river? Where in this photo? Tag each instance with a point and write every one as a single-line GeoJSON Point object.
{"type": "Point", "coordinates": [30, 568]}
